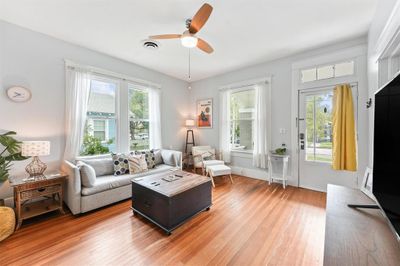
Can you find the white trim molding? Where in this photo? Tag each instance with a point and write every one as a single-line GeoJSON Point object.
{"type": "Point", "coordinates": [111, 74]}
{"type": "Point", "coordinates": [389, 40]}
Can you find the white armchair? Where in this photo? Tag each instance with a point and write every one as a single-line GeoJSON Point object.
{"type": "Point", "coordinates": [204, 156]}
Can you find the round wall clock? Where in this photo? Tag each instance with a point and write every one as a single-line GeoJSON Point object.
{"type": "Point", "coordinates": [19, 94]}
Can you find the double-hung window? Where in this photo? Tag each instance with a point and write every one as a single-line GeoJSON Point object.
{"type": "Point", "coordinates": [242, 111]}
{"type": "Point", "coordinates": [100, 133]}
{"type": "Point", "coordinates": [139, 125]}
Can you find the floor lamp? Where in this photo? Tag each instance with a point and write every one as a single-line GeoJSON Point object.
{"type": "Point", "coordinates": [189, 123]}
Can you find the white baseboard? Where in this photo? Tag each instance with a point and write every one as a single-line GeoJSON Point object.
{"type": "Point", "coordinates": [253, 173]}
{"type": "Point", "coordinates": [256, 174]}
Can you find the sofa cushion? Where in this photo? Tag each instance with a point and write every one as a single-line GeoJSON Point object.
{"type": "Point", "coordinates": [137, 163]}
{"type": "Point", "coordinates": [169, 157]}
{"type": "Point", "coordinates": [105, 183]}
{"type": "Point", "coordinates": [88, 174]}
{"type": "Point", "coordinates": [121, 166]}
{"type": "Point", "coordinates": [102, 166]}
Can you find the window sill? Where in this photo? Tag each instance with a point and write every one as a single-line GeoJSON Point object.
{"type": "Point", "coordinates": [243, 154]}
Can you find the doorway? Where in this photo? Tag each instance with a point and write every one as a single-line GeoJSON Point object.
{"type": "Point", "coordinates": [315, 139]}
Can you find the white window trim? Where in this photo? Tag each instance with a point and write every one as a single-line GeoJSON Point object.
{"type": "Point", "coordinates": [334, 63]}
{"type": "Point", "coordinates": [122, 142]}
{"type": "Point", "coordinates": [241, 86]}
{"type": "Point", "coordinates": [356, 53]}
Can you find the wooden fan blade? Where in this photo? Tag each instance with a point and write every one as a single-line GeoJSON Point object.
{"type": "Point", "coordinates": [200, 18]}
{"type": "Point", "coordinates": [204, 46]}
{"type": "Point", "coordinates": [165, 36]}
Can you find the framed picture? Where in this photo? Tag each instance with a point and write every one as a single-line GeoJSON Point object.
{"type": "Point", "coordinates": [366, 185]}
{"type": "Point", "coordinates": [204, 115]}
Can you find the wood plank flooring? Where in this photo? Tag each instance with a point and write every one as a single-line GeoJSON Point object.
{"type": "Point", "coordinates": [250, 223]}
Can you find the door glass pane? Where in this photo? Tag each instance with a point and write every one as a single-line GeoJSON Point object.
{"type": "Point", "coordinates": [319, 127]}
{"type": "Point", "coordinates": [310, 128]}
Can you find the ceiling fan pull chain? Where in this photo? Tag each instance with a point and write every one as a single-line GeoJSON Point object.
{"type": "Point", "coordinates": [189, 65]}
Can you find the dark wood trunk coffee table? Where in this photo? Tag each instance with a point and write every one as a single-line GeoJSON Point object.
{"type": "Point", "coordinates": [169, 204]}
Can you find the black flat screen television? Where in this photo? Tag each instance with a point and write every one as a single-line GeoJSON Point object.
{"type": "Point", "coordinates": [386, 168]}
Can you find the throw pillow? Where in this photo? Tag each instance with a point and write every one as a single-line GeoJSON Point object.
{"type": "Point", "coordinates": [150, 159]}
{"type": "Point", "coordinates": [208, 155]}
{"type": "Point", "coordinates": [102, 166]}
{"type": "Point", "coordinates": [137, 164]}
{"type": "Point", "coordinates": [158, 157]}
{"type": "Point", "coordinates": [121, 164]}
{"type": "Point", "coordinates": [88, 174]}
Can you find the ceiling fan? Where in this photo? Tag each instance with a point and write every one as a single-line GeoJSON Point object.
{"type": "Point", "coordinates": [189, 38]}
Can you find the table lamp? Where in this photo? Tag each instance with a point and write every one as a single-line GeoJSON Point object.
{"type": "Point", "coordinates": [189, 123]}
{"type": "Point", "coordinates": [35, 149]}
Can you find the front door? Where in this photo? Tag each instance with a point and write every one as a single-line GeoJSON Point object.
{"type": "Point", "coordinates": [315, 141]}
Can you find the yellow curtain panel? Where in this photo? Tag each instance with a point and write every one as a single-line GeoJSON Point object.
{"type": "Point", "coordinates": [344, 133]}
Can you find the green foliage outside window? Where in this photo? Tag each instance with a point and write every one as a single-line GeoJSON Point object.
{"type": "Point", "coordinates": [92, 145]}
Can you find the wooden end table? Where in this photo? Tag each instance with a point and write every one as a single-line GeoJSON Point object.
{"type": "Point", "coordinates": [37, 196]}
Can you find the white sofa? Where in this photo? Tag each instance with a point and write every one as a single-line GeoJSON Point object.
{"type": "Point", "coordinates": [108, 188]}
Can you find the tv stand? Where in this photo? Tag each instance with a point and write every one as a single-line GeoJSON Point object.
{"type": "Point", "coordinates": [357, 236]}
{"type": "Point", "coordinates": [363, 206]}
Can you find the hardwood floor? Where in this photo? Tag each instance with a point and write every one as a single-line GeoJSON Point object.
{"type": "Point", "coordinates": [250, 223]}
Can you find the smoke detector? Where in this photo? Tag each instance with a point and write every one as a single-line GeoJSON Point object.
{"type": "Point", "coordinates": [150, 44]}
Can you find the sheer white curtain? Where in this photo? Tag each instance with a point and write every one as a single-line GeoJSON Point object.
{"type": "Point", "coordinates": [155, 118]}
{"type": "Point", "coordinates": [224, 131]}
{"type": "Point", "coordinates": [76, 102]}
{"type": "Point", "coordinates": [262, 122]}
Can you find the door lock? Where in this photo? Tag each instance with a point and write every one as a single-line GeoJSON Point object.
{"type": "Point", "coordinates": [301, 136]}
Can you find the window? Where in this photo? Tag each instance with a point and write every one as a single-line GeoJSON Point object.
{"type": "Point", "coordinates": [138, 118]}
{"type": "Point", "coordinates": [100, 130]}
{"type": "Point", "coordinates": [328, 71]}
{"type": "Point", "coordinates": [319, 127]}
{"type": "Point", "coordinates": [242, 108]}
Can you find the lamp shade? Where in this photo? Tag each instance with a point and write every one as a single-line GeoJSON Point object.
{"type": "Point", "coordinates": [189, 123]}
{"type": "Point", "coordinates": [35, 148]}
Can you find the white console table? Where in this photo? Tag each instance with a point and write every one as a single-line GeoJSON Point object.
{"type": "Point", "coordinates": [273, 172]}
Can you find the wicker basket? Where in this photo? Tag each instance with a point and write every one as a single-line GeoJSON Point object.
{"type": "Point", "coordinates": [7, 222]}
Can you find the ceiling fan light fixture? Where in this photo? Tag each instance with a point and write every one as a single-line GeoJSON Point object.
{"type": "Point", "coordinates": [189, 41]}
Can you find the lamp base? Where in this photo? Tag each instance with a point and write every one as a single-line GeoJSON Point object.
{"type": "Point", "coordinates": [36, 167]}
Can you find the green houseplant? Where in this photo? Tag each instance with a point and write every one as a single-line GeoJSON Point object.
{"type": "Point", "coordinates": [10, 150]}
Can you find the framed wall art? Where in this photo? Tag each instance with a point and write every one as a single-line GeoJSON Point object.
{"type": "Point", "coordinates": [204, 115]}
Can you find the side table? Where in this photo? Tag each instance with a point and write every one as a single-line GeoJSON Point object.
{"type": "Point", "coordinates": [275, 175]}
{"type": "Point", "coordinates": [37, 196]}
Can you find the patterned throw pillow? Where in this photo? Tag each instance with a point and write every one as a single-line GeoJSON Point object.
{"type": "Point", "coordinates": [158, 157]}
{"type": "Point", "coordinates": [121, 164]}
{"type": "Point", "coordinates": [137, 163]}
{"type": "Point", "coordinates": [150, 158]}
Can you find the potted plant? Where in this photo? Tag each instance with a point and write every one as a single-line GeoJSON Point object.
{"type": "Point", "coordinates": [10, 150]}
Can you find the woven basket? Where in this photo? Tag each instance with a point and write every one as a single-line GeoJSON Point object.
{"type": "Point", "coordinates": [7, 222]}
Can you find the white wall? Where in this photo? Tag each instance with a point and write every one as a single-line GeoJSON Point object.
{"type": "Point", "coordinates": [36, 61]}
{"type": "Point", "coordinates": [382, 15]}
{"type": "Point", "coordinates": [281, 72]}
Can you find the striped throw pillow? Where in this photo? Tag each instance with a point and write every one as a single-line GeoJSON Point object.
{"type": "Point", "coordinates": [137, 164]}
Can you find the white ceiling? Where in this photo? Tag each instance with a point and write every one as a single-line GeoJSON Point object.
{"type": "Point", "coordinates": [242, 32]}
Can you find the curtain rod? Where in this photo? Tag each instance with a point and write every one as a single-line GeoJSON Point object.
{"type": "Point", "coordinates": [246, 83]}
{"type": "Point", "coordinates": [110, 74]}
